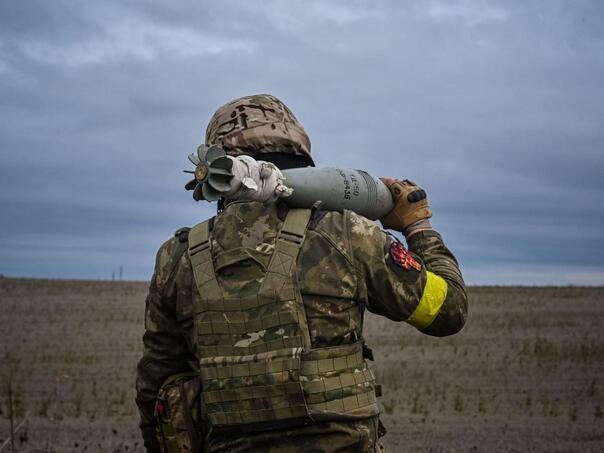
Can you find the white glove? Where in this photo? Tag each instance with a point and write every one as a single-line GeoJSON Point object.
{"type": "Point", "coordinates": [256, 180]}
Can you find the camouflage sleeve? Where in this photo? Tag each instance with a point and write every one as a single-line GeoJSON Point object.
{"type": "Point", "coordinates": [165, 350]}
{"type": "Point", "coordinates": [422, 286]}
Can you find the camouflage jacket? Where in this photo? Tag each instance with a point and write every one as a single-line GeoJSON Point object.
{"type": "Point", "coordinates": [345, 266]}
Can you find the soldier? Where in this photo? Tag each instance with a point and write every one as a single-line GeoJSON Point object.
{"type": "Point", "coordinates": [262, 308]}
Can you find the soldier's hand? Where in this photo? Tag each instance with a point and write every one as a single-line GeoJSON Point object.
{"type": "Point", "coordinates": [410, 205]}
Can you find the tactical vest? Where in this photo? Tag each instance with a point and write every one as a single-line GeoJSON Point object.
{"type": "Point", "coordinates": [257, 367]}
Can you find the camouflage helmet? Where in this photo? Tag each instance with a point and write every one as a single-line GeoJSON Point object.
{"type": "Point", "coordinates": [257, 124]}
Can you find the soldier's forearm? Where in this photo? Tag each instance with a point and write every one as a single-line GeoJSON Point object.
{"type": "Point", "coordinates": [440, 261]}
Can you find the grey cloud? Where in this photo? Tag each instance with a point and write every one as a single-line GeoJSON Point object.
{"type": "Point", "coordinates": [496, 108]}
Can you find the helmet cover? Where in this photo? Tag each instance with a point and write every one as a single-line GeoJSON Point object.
{"type": "Point", "coordinates": [257, 124]}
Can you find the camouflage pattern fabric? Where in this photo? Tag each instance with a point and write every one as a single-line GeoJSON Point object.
{"type": "Point", "coordinates": [177, 412]}
{"type": "Point", "coordinates": [255, 125]}
{"type": "Point", "coordinates": [344, 268]}
{"type": "Point", "coordinates": [257, 363]}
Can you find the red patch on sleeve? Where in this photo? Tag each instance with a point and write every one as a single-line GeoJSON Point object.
{"type": "Point", "coordinates": [401, 257]}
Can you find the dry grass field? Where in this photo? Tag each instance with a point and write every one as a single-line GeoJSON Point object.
{"type": "Point", "coordinates": [526, 374]}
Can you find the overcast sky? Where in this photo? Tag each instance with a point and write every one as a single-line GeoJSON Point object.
{"type": "Point", "coordinates": [496, 108]}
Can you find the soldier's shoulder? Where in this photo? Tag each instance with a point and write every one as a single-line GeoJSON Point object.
{"type": "Point", "coordinates": [334, 227]}
{"type": "Point", "coordinates": [168, 251]}
{"type": "Point", "coordinates": [356, 236]}
{"type": "Point", "coordinates": [342, 222]}
{"type": "Point", "coordinates": [327, 222]}
{"type": "Point", "coordinates": [362, 226]}
{"type": "Point", "coordinates": [182, 234]}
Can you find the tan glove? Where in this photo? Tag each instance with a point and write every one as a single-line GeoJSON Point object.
{"type": "Point", "coordinates": [410, 204]}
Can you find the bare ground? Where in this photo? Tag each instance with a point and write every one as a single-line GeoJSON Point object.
{"type": "Point", "coordinates": [526, 374]}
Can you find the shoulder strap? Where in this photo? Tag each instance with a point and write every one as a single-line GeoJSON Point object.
{"type": "Point", "coordinates": [280, 277]}
{"type": "Point", "coordinates": [287, 247]}
{"type": "Point", "coordinates": [281, 280]}
{"type": "Point", "coordinates": [200, 255]}
{"type": "Point", "coordinates": [295, 225]}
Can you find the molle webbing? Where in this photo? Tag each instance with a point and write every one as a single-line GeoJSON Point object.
{"type": "Point", "coordinates": [337, 380]}
{"type": "Point", "coordinates": [248, 326]}
{"type": "Point", "coordinates": [226, 350]}
{"type": "Point", "coordinates": [201, 258]}
{"type": "Point", "coordinates": [348, 387]}
{"type": "Point", "coordinates": [256, 361]}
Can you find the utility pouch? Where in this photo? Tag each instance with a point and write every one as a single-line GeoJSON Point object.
{"type": "Point", "coordinates": [337, 383]}
{"type": "Point", "coordinates": [177, 414]}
